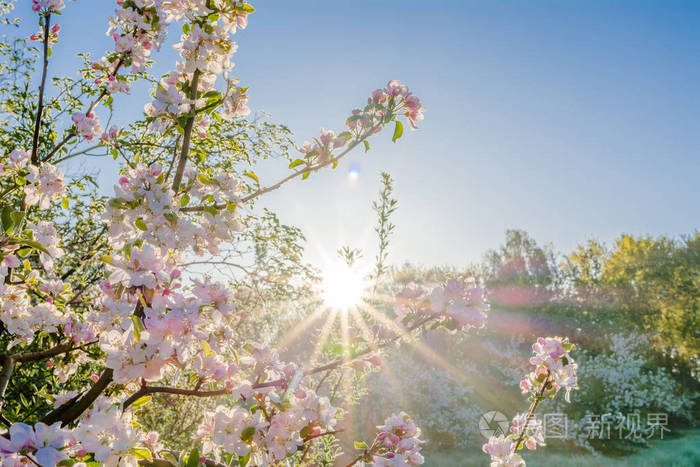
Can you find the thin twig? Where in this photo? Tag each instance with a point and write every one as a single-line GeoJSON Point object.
{"type": "Point", "coordinates": [531, 412]}
{"type": "Point", "coordinates": [40, 107]}
{"type": "Point", "coordinates": [313, 168]}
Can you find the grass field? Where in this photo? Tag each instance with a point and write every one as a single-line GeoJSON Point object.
{"type": "Point", "coordinates": [683, 451]}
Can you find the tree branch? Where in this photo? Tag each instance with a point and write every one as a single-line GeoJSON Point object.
{"type": "Point", "coordinates": [40, 107]}
{"type": "Point", "coordinates": [8, 365]}
{"type": "Point", "coordinates": [146, 390]}
{"type": "Point", "coordinates": [75, 407]}
{"type": "Point", "coordinates": [313, 168]}
{"type": "Point", "coordinates": [188, 133]}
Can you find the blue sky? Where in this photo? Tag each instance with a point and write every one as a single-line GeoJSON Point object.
{"type": "Point", "coordinates": [570, 120]}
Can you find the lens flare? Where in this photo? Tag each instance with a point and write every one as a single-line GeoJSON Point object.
{"type": "Point", "coordinates": [354, 172]}
{"type": "Point", "coordinates": [343, 287]}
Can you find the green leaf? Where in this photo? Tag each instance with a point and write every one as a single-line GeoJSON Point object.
{"type": "Point", "coordinates": [360, 445]}
{"type": "Point", "coordinates": [137, 327]}
{"type": "Point", "coordinates": [140, 224]}
{"type": "Point", "coordinates": [398, 131]}
{"type": "Point", "coordinates": [17, 217]}
{"type": "Point", "coordinates": [184, 200]}
{"type": "Point", "coordinates": [203, 179]}
{"type": "Point", "coordinates": [29, 243]}
{"type": "Point", "coordinates": [252, 175]}
{"type": "Point", "coordinates": [193, 458]}
{"type": "Point", "coordinates": [306, 175]}
{"type": "Point", "coordinates": [64, 203]}
{"type": "Point", "coordinates": [170, 457]}
{"type": "Point", "coordinates": [366, 145]}
{"type": "Point", "coordinates": [7, 222]}
{"type": "Point", "coordinates": [231, 206]}
{"type": "Point", "coordinates": [247, 433]}
{"type": "Point", "coordinates": [295, 163]}
{"type": "Point", "coordinates": [117, 202]}
{"type": "Point", "coordinates": [141, 401]}
{"type": "Point", "coordinates": [243, 460]}
{"type": "Point", "coordinates": [141, 453]}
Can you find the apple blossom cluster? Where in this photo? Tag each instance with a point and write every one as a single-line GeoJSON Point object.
{"type": "Point", "coordinates": [44, 232]}
{"type": "Point", "coordinates": [531, 429]}
{"type": "Point", "coordinates": [46, 6]}
{"type": "Point", "coordinates": [53, 34]}
{"type": "Point", "coordinates": [111, 136]}
{"type": "Point", "coordinates": [404, 102]}
{"type": "Point", "coordinates": [554, 368]}
{"type": "Point", "coordinates": [88, 126]}
{"type": "Point", "coordinates": [382, 107]}
{"type": "Point", "coordinates": [136, 30]}
{"type": "Point", "coordinates": [274, 415]}
{"type": "Point", "coordinates": [17, 159]}
{"type": "Point", "coordinates": [502, 448]}
{"type": "Point", "coordinates": [174, 328]}
{"type": "Point", "coordinates": [146, 207]}
{"type": "Point", "coordinates": [502, 451]}
{"type": "Point", "coordinates": [24, 319]}
{"type": "Point", "coordinates": [109, 435]}
{"type": "Point", "coordinates": [41, 443]}
{"type": "Point", "coordinates": [21, 315]}
{"type": "Point", "coordinates": [44, 185]}
{"type": "Point", "coordinates": [399, 443]}
{"type": "Point", "coordinates": [459, 305]}
{"type": "Point", "coordinates": [206, 50]}
{"type": "Point", "coordinates": [105, 434]}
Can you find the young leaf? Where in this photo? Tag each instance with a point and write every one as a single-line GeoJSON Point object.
{"type": "Point", "coordinates": [252, 175]}
{"type": "Point", "coordinates": [296, 163]}
{"type": "Point", "coordinates": [140, 224]}
{"type": "Point", "coordinates": [398, 131]}
{"type": "Point", "coordinates": [141, 401]}
{"type": "Point", "coordinates": [193, 458]}
{"type": "Point", "coordinates": [137, 327]}
{"type": "Point", "coordinates": [247, 433]}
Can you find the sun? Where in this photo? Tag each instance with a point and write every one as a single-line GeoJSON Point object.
{"type": "Point", "coordinates": [343, 287]}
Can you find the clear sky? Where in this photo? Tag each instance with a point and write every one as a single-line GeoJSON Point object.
{"type": "Point", "coordinates": [570, 119]}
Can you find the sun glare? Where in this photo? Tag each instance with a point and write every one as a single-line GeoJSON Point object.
{"type": "Point", "coordinates": [343, 287]}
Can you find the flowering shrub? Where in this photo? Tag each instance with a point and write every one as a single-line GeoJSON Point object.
{"type": "Point", "coordinates": [619, 381]}
{"type": "Point", "coordinates": [111, 310]}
